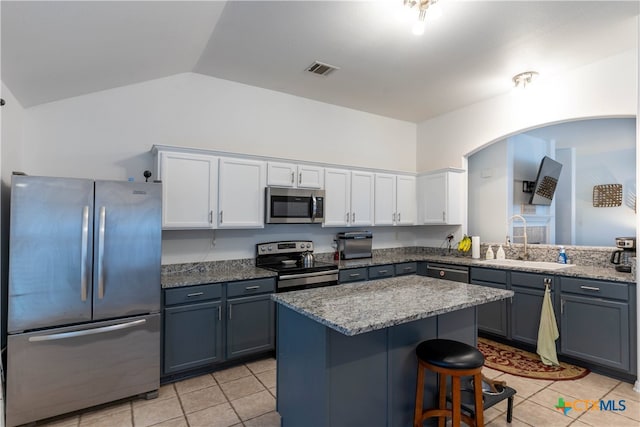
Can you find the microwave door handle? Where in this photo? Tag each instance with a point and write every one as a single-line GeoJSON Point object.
{"type": "Point", "coordinates": [314, 208]}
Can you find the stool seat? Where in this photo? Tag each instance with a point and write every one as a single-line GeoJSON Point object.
{"type": "Point", "coordinates": [450, 354]}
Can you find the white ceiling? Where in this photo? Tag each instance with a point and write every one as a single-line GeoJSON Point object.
{"type": "Point", "coordinates": [53, 50]}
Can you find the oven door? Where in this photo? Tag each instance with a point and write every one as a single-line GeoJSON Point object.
{"type": "Point", "coordinates": [295, 282]}
{"type": "Point", "coordinates": [293, 206]}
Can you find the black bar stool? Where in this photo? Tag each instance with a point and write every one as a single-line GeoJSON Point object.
{"type": "Point", "coordinates": [454, 359]}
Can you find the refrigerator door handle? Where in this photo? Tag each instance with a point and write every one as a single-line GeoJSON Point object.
{"type": "Point", "coordinates": [85, 249]}
{"type": "Point", "coordinates": [84, 332]}
{"type": "Point", "coordinates": [103, 215]}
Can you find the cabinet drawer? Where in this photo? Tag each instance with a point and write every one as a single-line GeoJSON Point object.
{"type": "Point", "coordinates": [251, 287]}
{"type": "Point", "coordinates": [192, 294]}
{"type": "Point", "coordinates": [381, 271]}
{"type": "Point", "coordinates": [489, 275]}
{"type": "Point", "coordinates": [595, 288]}
{"type": "Point", "coordinates": [406, 268]}
{"type": "Point", "coordinates": [530, 280]}
{"type": "Point", "coordinates": [352, 275]}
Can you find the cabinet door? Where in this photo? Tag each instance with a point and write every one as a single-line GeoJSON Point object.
{"type": "Point", "coordinates": [189, 185]}
{"type": "Point", "coordinates": [250, 325]}
{"type": "Point", "coordinates": [310, 176]}
{"type": "Point", "coordinates": [492, 317]}
{"type": "Point", "coordinates": [337, 185]}
{"type": "Point", "coordinates": [384, 212]}
{"type": "Point", "coordinates": [441, 198]}
{"type": "Point", "coordinates": [434, 198]}
{"type": "Point", "coordinates": [241, 193]}
{"type": "Point", "coordinates": [596, 330]}
{"type": "Point", "coordinates": [192, 336]}
{"type": "Point", "coordinates": [406, 210]}
{"type": "Point", "coordinates": [362, 185]}
{"type": "Point", "coordinates": [525, 314]}
{"type": "Point", "coordinates": [281, 174]}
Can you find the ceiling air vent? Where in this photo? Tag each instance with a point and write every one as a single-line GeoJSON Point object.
{"type": "Point", "coordinates": [321, 69]}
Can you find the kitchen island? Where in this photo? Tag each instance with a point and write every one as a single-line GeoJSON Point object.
{"type": "Point", "coordinates": [346, 353]}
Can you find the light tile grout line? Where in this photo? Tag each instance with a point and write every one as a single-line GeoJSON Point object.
{"type": "Point", "coordinates": [227, 398]}
{"type": "Point", "coordinates": [184, 414]}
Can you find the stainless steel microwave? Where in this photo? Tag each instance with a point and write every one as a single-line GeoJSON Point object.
{"type": "Point", "coordinates": [294, 206]}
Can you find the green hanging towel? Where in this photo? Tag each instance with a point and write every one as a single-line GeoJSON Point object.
{"type": "Point", "coordinates": [547, 331]}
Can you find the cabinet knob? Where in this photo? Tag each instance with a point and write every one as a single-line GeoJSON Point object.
{"type": "Point", "coordinates": [353, 217]}
{"type": "Point", "coordinates": [300, 178]}
{"type": "Point", "coordinates": [293, 174]}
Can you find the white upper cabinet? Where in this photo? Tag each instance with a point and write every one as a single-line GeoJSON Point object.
{"type": "Point", "coordinates": [337, 198]}
{"type": "Point", "coordinates": [395, 199]}
{"type": "Point", "coordinates": [294, 175]}
{"type": "Point", "coordinates": [189, 189]}
{"type": "Point", "coordinates": [362, 194]}
{"type": "Point", "coordinates": [310, 176]}
{"type": "Point", "coordinates": [385, 199]}
{"type": "Point", "coordinates": [440, 197]}
{"type": "Point", "coordinates": [241, 193]}
{"type": "Point", "coordinates": [406, 209]}
{"type": "Point", "coordinates": [348, 198]}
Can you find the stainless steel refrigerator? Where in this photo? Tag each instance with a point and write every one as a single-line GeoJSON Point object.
{"type": "Point", "coordinates": [83, 317]}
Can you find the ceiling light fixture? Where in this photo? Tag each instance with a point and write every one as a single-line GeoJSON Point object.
{"type": "Point", "coordinates": [524, 79]}
{"type": "Point", "coordinates": [427, 9]}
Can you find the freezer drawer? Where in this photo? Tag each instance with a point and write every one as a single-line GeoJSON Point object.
{"type": "Point", "coordinates": [61, 370]}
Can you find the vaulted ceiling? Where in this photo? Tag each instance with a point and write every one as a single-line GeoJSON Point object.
{"type": "Point", "coordinates": [53, 50]}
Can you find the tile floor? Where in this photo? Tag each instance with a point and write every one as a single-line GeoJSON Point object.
{"type": "Point", "coordinates": [245, 396]}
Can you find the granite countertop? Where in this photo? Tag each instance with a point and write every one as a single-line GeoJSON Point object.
{"type": "Point", "coordinates": [357, 308]}
{"type": "Point", "coordinates": [177, 275]}
{"type": "Point", "coordinates": [583, 271]}
{"type": "Point", "coordinates": [222, 272]}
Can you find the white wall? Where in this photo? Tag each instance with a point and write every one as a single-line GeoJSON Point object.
{"type": "Point", "coordinates": [607, 88]}
{"type": "Point", "coordinates": [109, 134]}
{"type": "Point", "coordinates": [197, 245]}
{"type": "Point", "coordinates": [11, 123]}
{"type": "Point", "coordinates": [488, 189]}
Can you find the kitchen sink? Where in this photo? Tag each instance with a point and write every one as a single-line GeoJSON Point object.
{"type": "Point", "coordinates": [540, 265]}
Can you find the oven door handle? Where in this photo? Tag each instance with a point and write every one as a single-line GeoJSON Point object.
{"type": "Point", "coordinates": [302, 275]}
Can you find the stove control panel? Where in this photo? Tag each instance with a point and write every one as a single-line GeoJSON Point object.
{"type": "Point", "coordinates": [285, 247]}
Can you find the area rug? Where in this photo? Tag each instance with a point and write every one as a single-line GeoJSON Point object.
{"type": "Point", "coordinates": [522, 363]}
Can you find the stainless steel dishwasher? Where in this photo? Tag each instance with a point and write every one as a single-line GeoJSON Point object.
{"type": "Point", "coordinates": [455, 273]}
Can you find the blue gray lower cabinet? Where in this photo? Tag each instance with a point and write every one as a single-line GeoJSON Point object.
{"type": "Point", "coordinates": [250, 325]}
{"type": "Point", "coordinates": [598, 322]}
{"type": "Point", "coordinates": [596, 318]}
{"type": "Point", "coordinates": [327, 379]}
{"type": "Point", "coordinates": [207, 324]}
{"type": "Point", "coordinates": [494, 316]}
{"type": "Point", "coordinates": [192, 336]}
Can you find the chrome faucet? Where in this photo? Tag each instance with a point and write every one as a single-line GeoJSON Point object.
{"type": "Point", "coordinates": [525, 255]}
